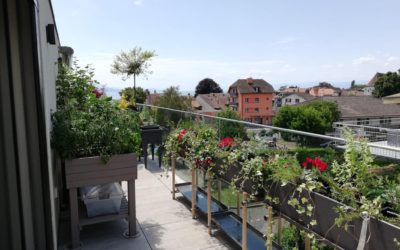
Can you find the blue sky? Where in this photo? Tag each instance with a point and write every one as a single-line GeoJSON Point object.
{"type": "Point", "coordinates": [296, 42]}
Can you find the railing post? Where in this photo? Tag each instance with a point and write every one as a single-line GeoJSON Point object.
{"type": "Point", "coordinates": [219, 190]}
{"type": "Point", "coordinates": [238, 203]}
{"type": "Point", "coordinates": [209, 202]}
{"type": "Point", "coordinates": [307, 242]}
{"type": "Point", "coordinates": [244, 220]}
{"type": "Point", "coordinates": [279, 229]}
{"type": "Point", "coordinates": [194, 192]}
{"type": "Point", "coordinates": [173, 165]}
{"type": "Point", "coordinates": [269, 227]}
{"type": "Point", "coordinates": [364, 228]}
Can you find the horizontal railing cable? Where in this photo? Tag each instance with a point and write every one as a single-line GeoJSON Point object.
{"type": "Point", "coordinates": [297, 132]}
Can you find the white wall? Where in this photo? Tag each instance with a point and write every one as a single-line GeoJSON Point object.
{"type": "Point", "coordinates": [49, 69]}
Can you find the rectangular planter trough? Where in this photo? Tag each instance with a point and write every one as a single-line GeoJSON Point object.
{"type": "Point", "coordinates": [381, 235]}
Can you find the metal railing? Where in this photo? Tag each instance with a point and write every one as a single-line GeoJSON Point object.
{"type": "Point", "coordinates": [378, 149]}
{"type": "Point", "coordinates": [382, 132]}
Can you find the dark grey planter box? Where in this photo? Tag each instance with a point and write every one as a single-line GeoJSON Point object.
{"type": "Point", "coordinates": [381, 234]}
{"type": "Point", "coordinates": [151, 134]}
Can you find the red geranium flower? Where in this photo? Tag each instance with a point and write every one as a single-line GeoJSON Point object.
{"type": "Point", "coordinates": [181, 134]}
{"type": "Point", "coordinates": [226, 142]}
{"type": "Point", "coordinates": [317, 163]}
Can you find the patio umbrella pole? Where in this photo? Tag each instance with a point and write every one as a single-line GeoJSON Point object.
{"type": "Point", "coordinates": [209, 202]}
{"type": "Point", "coordinates": [244, 219]}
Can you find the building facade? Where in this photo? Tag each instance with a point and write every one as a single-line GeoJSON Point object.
{"type": "Point", "coordinates": [210, 104]}
{"type": "Point", "coordinates": [296, 98]}
{"type": "Point", "coordinates": [252, 99]}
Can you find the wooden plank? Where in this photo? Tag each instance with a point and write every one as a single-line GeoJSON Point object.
{"type": "Point", "coordinates": [74, 213]}
{"type": "Point", "coordinates": [131, 172]}
{"type": "Point", "coordinates": [99, 180]}
{"type": "Point", "coordinates": [244, 218]}
{"type": "Point", "coordinates": [132, 208]}
{"type": "Point", "coordinates": [94, 163]}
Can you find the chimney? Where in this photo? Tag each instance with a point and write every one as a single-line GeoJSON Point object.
{"type": "Point", "coordinates": [155, 91]}
{"type": "Point", "coordinates": [250, 81]}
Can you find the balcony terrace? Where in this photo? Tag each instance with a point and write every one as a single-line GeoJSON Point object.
{"type": "Point", "coordinates": [163, 223]}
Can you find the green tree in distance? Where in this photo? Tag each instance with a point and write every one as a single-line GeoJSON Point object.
{"type": "Point", "coordinates": [135, 62]}
{"type": "Point", "coordinates": [353, 84]}
{"type": "Point", "coordinates": [171, 98]}
{"type": "Point", "coordinates": [231, 129]}
{"type": "Point", "coordinates": [316, 117]}
{"type": "Point", "coordinates": [129, 94]}
{"type": "Point", "coordinates": [207, 86]}
{"type": "Point", "coordinates": [387, 84]}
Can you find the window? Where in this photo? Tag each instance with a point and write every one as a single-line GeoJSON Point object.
{"type": "Point", "coordinates": [257, 100]}
{"type": "Point", "coordinates": [288, 100]}
{"type": "Point", "coordinates": [246, 100]}
{"type": "Point", "coordinates": [246, 110]}
{"type": "Point", "coordinates": [297, 100]}
{"type": "Point", "coordinates": [256, 109]}
{"type": "Point", "coordinates": [257, 89]}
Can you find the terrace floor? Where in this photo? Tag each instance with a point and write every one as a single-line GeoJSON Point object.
{"type": "Point", "coordinates": [163, 223]}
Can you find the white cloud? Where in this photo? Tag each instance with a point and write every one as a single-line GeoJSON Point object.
{"type": "Point", "coordinates": [364, 60]}
{"type": "Point", "coordinates": [186, 73]}
{"type": "Point", "coordinates": [393, 59]}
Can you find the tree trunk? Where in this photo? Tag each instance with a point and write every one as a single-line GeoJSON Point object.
{"type": "Point", "coordinates": [134, 87]}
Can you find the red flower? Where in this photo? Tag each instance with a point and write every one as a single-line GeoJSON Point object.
{"type": "Point", "coordinates": [226, 142]}
{"type": "Point", "coordinates": [317, 163]}
{"type": "Point", "coordinates": [181, 134]}
{"type": "Point", "coordinates": [98, 92]}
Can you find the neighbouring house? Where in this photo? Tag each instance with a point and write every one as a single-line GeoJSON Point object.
{"type": "Point", "coordinates": [324, 89]}
{"type": "Point", "coordinates": [392, 99]}
{"type": "Point", "coordinates": [296, 98]}
{"type": "Point", "coordinates": [252, 99]}
{"type": "Point", "coordinates": [151, 99]}
{"type": "Point", "coordinates": [210, 104]}
{"type": "Point", "coordinates": [352, 92]}
{"type": "Point", "coordinates": [371, 84]}
{"type": "Point", "coordinates": [293, 89]}
{"type": "Point", "coordinates": [363, 108]}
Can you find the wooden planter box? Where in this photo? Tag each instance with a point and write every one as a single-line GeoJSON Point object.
{"type": "Point", "coordinates": [380, 233]}
{"type": "Point", "coordinates": [93, 171]}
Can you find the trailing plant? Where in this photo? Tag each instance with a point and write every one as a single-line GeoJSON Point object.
{"type": "Point", "coordinates": [203, 153]}
{"type": "Point", "coordinates": [354, 184]}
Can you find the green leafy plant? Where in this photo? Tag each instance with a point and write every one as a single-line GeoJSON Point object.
{"type": "Point", "coordinates": [88, 125]}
